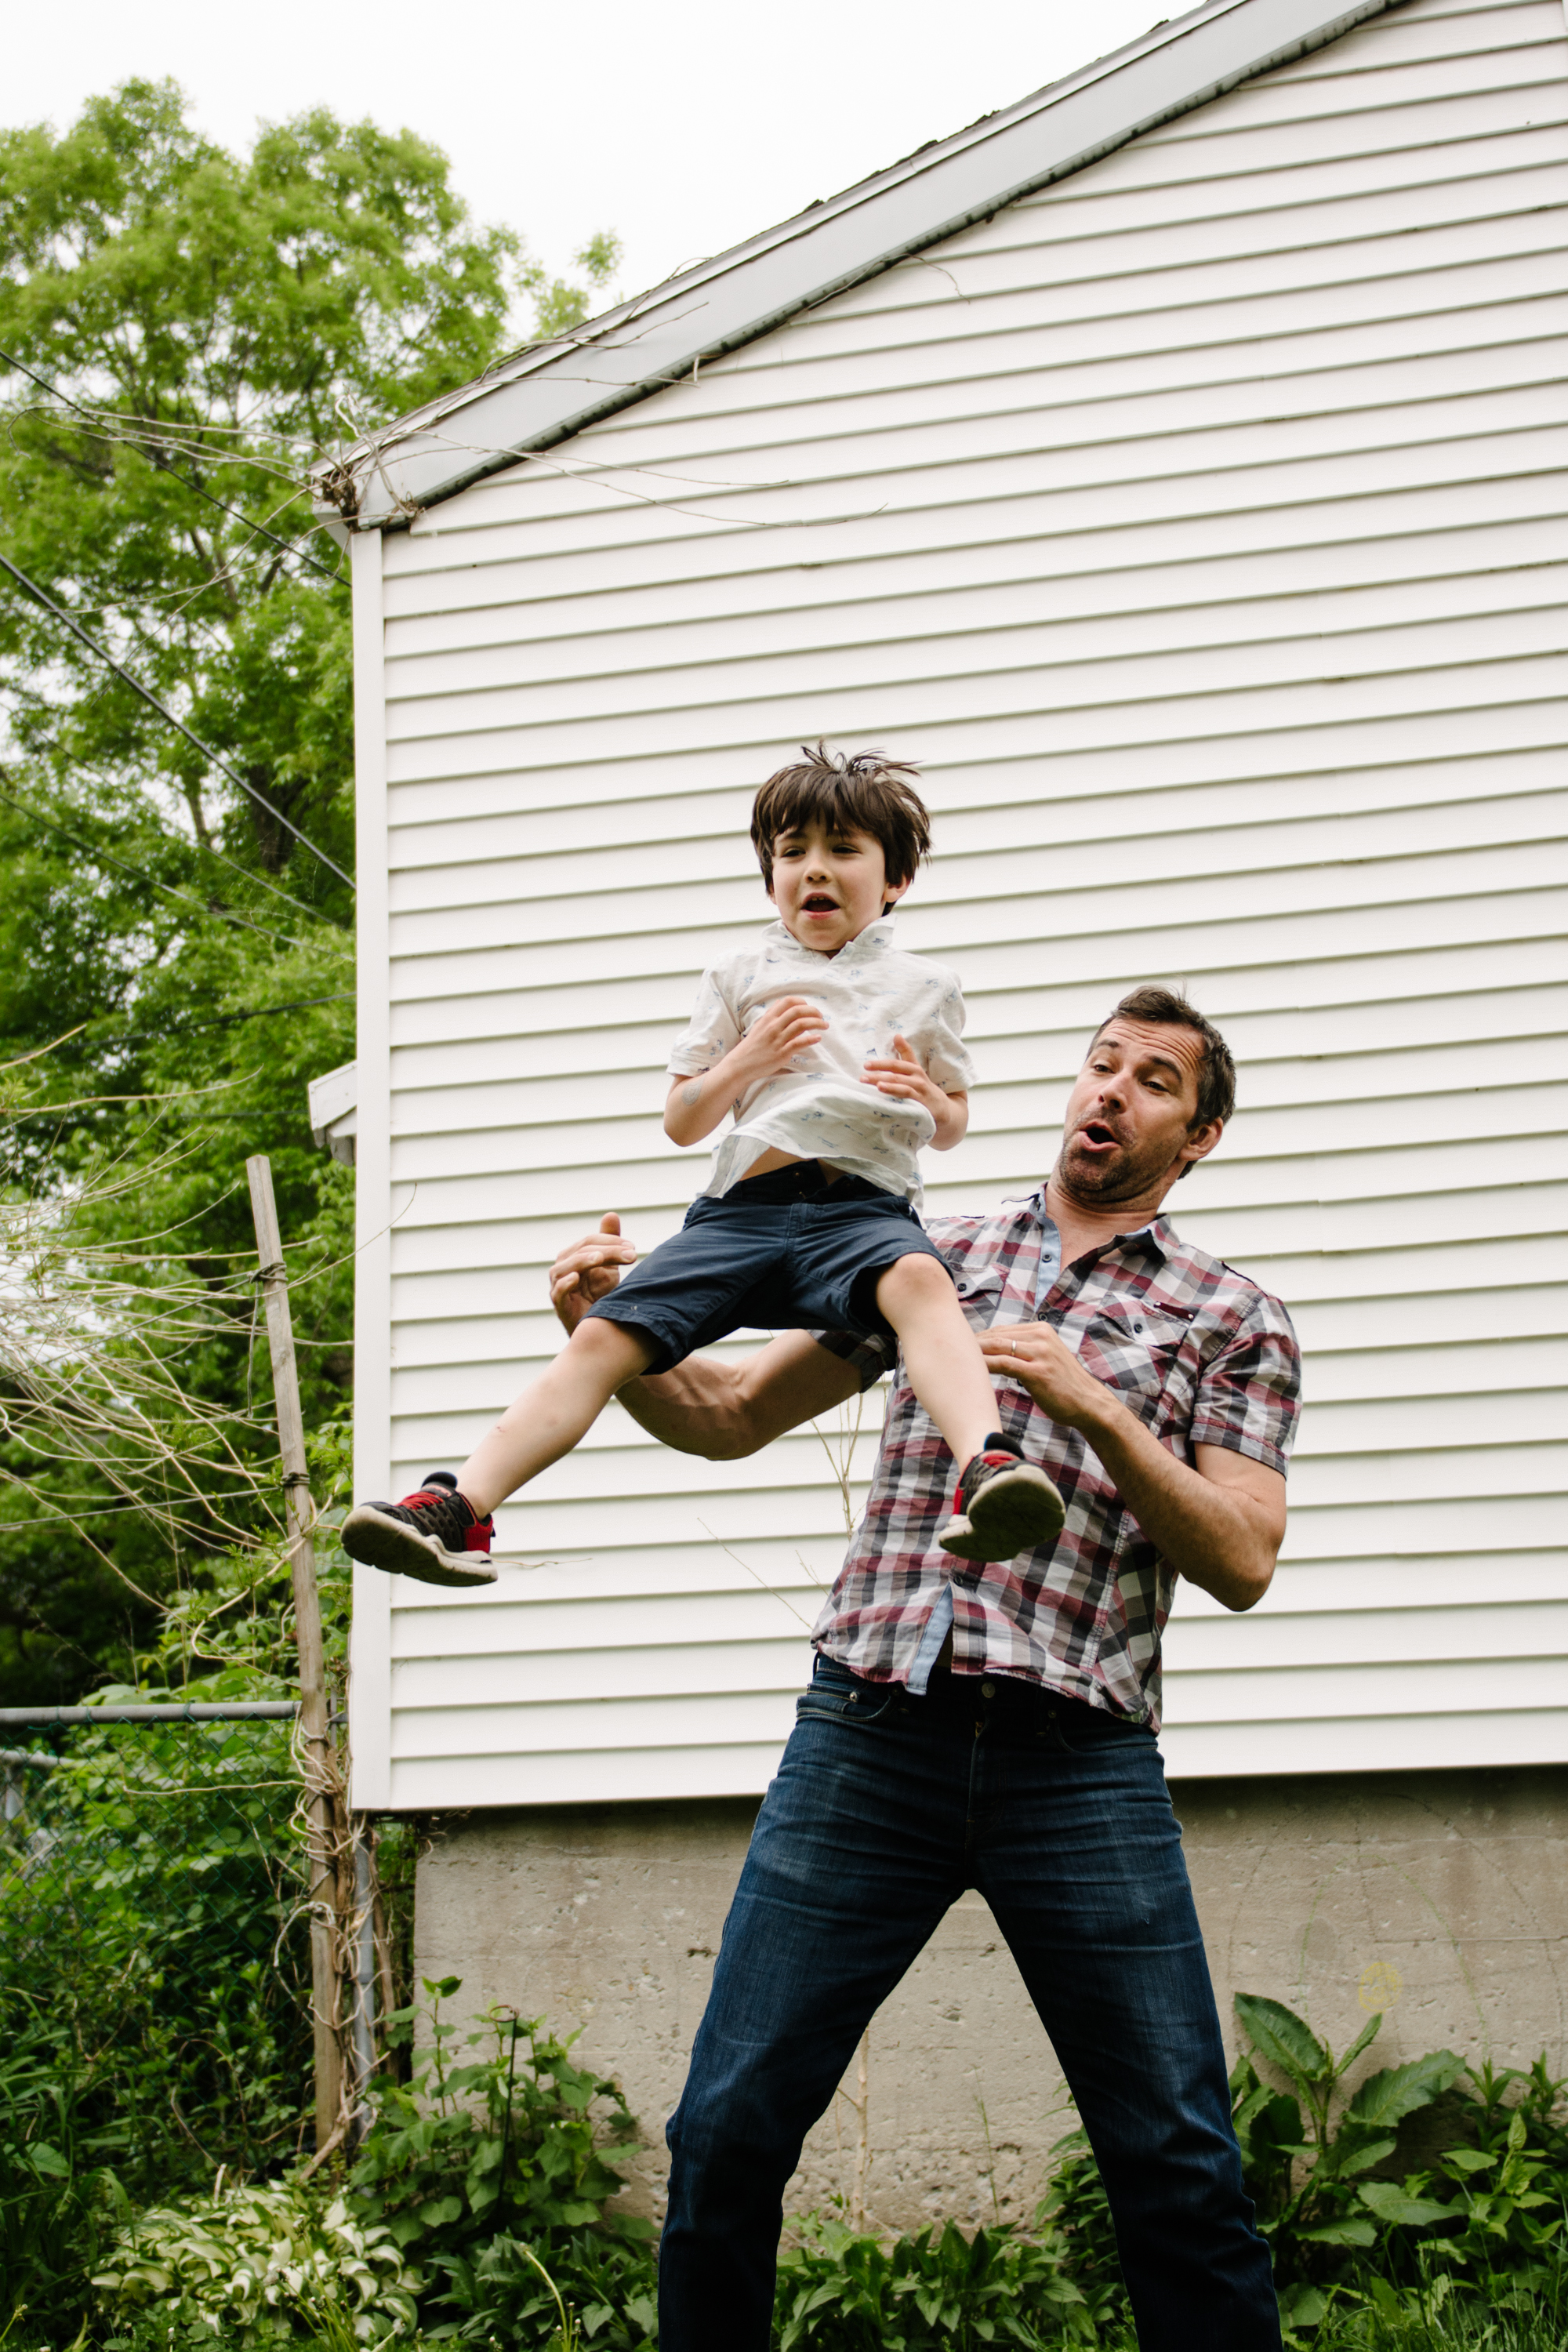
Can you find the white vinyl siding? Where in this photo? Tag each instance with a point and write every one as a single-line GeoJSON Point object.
{"type": "Point", "coordinates": [1199, 525]}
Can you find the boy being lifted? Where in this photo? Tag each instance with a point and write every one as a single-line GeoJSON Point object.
{"type": "Point", "coordinates": [840, 1057]}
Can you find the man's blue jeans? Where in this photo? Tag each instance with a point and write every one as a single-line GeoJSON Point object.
{"type": "Point", "coordinates": [885, 1808]}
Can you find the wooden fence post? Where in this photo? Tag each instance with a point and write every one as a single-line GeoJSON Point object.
{"type": "Point", "coordinates": [321, 1761]}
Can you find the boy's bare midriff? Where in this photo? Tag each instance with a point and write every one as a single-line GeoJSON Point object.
{"type": "Point", "coordinates": [772, 1159]}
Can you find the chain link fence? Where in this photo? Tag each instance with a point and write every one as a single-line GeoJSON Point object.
{"type": "Point", "coordinates": [155, 1947]}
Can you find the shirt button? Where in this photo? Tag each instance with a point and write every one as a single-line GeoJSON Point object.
{"type": "Point", "coordinates": [987, 1690]}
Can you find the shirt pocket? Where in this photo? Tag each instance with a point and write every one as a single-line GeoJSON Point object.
{"type": "Point", "coordinates": [980, 1296]}
{"type": "Point", "coordinates": [1136, 1351]}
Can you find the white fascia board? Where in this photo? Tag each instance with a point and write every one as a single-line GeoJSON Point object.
{"type": "Point", "coordinates": [553, 391]}
{"type": "Point", "coordinates": [331, 1097]}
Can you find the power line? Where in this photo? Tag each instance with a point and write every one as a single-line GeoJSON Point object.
{"type": "Point", "coordinates": [229, 1020]}
{"type": "Point", "coordinates": [107, 858]}
{"type": "Point", "coordinates": [162, 466]}
{"type": "Point", "coordinates": [163, 711]}
{"type": "Point", "coordinates": [313, 913]}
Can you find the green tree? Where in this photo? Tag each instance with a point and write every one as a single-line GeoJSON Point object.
{"type": "Point", "coordinates": [182, 332]}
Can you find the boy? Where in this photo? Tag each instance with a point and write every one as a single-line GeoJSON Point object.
{"type": "Point", "coordinates": [839, 1056]}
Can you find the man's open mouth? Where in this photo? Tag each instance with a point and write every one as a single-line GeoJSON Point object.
{"type": "Point", "coordinates": [1095, 1131]}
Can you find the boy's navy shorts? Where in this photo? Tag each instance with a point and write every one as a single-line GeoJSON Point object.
{"type": "Point", "coordinates": [775, 1252]}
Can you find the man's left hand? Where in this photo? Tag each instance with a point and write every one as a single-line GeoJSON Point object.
{"type": "Point", "coordinates": [1218, 1521]}
{"type": "Point", "coordinates": [1039, 1360]}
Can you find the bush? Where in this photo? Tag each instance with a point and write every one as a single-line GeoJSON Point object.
{"type": "Point", "coordinates": [152, 2015]}
{"type": "Point", "coordinates": [485, 2168]}
{"type": "Point", "coordinates": [842, 2292]}
{"type": "Point", "coordinates": [257, 2267]}
{"type": "Point", "coordinates": [1355, 2212]}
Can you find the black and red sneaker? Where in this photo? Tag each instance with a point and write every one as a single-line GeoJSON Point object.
{"type": "Point", "coordinates": [433, 1535]}
{"type": "Point", "coordinates": [1004, 1506]}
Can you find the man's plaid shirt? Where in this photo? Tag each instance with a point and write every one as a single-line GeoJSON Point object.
{"type": "Point", "coordinates": [1199, 1352]}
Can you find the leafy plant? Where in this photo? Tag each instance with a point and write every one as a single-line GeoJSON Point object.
{"type": "Point", "coordinates": [261, 2265]}
{"type": "Point", "coordinates": [843, 2291]}
{"type": "Point", "coordinates": [1307, 2174]}
{"type": "Point", "coordinates": [60, 2196]}
{"type": "Point", "coordinates": [1481, 2215]}
{"type": "Point", "coordinates": [507, 2145]}
{"type": "Point", "coordinates": [597, 2290]}
{"type": "Point", "coordinates": [1077, 2205]}
{"type": "Point", "coordinates": [147, 1971]}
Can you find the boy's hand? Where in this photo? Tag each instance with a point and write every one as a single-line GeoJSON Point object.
{"type": "Point", "coordinates": [905, 1079]}
{"type": "Point", "coordinates": [787, 1028]}
{"type": "Point", "coordinates": [589, 1271]}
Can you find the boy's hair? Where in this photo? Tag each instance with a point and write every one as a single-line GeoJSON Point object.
{"type": "Point", "coordinates": [1164, 1008]}
{"type": "Point", "coordinates": [863, 791]}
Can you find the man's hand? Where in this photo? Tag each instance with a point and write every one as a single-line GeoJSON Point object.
{"type": "Point", "coordinates": [1218, 1523]}
{"type": "Point", "coordinates": [1037, 1358]}
{"type": "Point", "coordinates": [904, 1077]}
{"type": "Point", "coordinates": [705, 1406]}
{"type": "Point", "coordinates": [589, 1271]}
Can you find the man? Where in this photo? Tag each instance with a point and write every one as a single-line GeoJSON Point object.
{"type": "Point", "coordinates": [993, 1727]}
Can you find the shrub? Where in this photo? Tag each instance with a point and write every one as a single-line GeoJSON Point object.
{"type": "Point", "coordinates": [261, 2266]}
{"type": "Point", "coordinates": [476, 2166]}
{"type": "Point", "coordinates": [841, 2292]}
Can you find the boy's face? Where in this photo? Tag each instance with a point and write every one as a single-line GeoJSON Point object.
{"type": "Point", "coordinates": [827, 886]}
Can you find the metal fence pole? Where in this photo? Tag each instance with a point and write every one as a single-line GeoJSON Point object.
{"type": "Point", "coordinates": [364, 1981]}
{"type": "Point", "coordinates": [315, 1727]}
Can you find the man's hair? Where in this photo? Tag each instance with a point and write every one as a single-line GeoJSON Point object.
{"type": "Point", "coordinates": [863, 791]}
{"type": "Point", "coordinates": [1217, 1071]}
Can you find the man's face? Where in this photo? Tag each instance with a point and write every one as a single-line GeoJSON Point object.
{"type": "Point", "coordinates": [1127, 1132]}
{"type": "Point", "coordinates": [827, 885]}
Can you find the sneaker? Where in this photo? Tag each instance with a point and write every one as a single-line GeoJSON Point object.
{"type": "Point", "coordinates": [432, 1535]}
{"type": "Point", "coordinates": [1004, 1506]}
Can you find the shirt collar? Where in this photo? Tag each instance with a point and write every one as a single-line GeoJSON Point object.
{"type": "Point", "coordinates": [875, 936]}
{"type": "Point", "coordinates": [1158, 1234]}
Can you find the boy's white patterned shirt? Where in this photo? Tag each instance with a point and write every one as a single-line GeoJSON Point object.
{"type": "Point", "coordinates": [819, 1108]}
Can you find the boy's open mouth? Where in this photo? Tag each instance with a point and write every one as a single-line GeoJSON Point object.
{"type": "Point", "coordinates": [819, 904]}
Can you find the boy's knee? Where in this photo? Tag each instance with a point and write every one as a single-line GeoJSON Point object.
{"type": "Point", "coordinates": [598, 1340]}
{"type": "Point", "coordinates": [916, 1279]}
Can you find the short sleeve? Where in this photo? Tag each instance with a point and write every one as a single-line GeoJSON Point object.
{"type": "Point", "coordinates": [1249, 1395]}
{"type": "Point", "coordinates": [941, 1042]}
{"type": "Point", "coordinates": [869, 1353]}
{"type": "Point", "coordinates": [714, 1028]}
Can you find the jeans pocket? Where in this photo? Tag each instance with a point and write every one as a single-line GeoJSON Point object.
{"type": "Point", "coordinates": [1091, 1731]}
{"type": "Point", "coordinates": [836, 1696]}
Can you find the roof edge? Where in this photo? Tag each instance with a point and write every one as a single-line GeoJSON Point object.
{"type": "Point", "coordinates": [553, 391]}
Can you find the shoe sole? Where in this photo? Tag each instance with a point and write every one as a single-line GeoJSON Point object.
{"type": "Point", "coordinates": [1018, 1511]}
{"type": "Point", "coordinates": [377, 1541]}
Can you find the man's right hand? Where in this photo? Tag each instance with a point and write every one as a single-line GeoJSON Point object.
{"type": "Point", "coordinates": [589, 1271]}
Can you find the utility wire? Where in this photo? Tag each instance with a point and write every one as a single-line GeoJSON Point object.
{"type": "Point", "coordinates": [313, 913]}
{"type": "Point", "coordinates": [163, 467]}
{"type": "Point", "coordinates": [222, 1020]}
{"type": "Point", "coordinates": [107, 858]}
{"type": "Point", "coordinates": [163, 711]}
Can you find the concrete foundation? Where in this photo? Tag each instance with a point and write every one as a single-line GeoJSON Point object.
{"type": "Point", "coordinates": [1441, 1898]}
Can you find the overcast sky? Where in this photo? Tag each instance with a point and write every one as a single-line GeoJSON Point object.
{"type": "Point", "coordinates": [685, 127]}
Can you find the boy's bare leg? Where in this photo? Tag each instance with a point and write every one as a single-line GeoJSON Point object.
{"type": "Point", "coordinates": [1003, 1504]}
{"type": "Point", "coordinates": [549, 1418]}
{"type": "Point", "coordinates": [941, 1355]}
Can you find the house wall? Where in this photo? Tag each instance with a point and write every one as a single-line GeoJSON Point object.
{"type": "Point", "coordinates": [1439, 1898]}
{"type": "Point", "coordinates": [1198, 524]}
